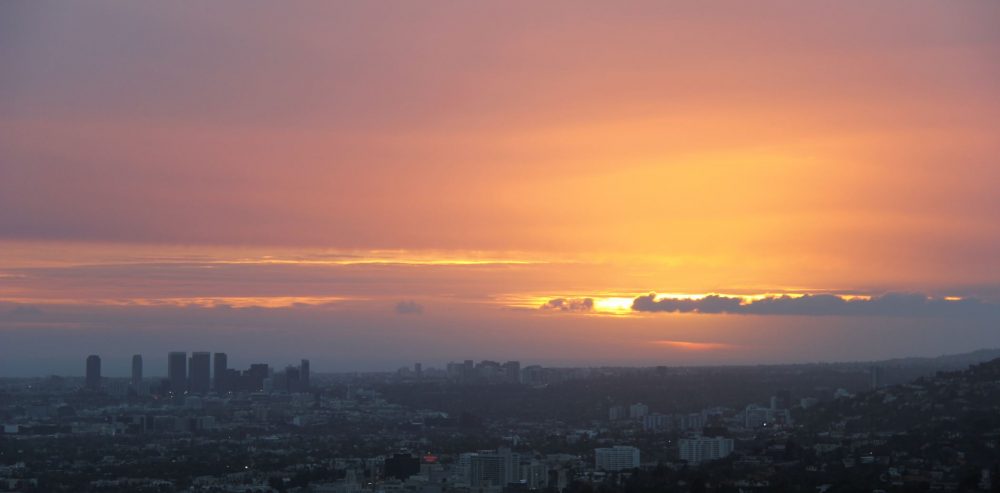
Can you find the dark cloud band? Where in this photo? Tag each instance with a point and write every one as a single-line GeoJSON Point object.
{"type": "Point", "coordinates": [890, 304]}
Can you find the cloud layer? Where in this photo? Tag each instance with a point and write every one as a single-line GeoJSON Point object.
{"type": "Point", "coordinates": [569, 304]}
{"type": "Point", "coordinates": [886, 305]}
{"type": "Point", "coordinates": [409, 308]}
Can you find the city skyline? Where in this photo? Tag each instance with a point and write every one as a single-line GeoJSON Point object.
{"type": "Point", "coordinates": [199, 374]}
{"type": "Point", "coordinates": [571, 183]}
{"type": "Point", "coordinates": [572, 246]}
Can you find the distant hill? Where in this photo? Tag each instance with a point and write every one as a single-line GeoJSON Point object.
{"type": "Point", "coordinates": [944, 362]}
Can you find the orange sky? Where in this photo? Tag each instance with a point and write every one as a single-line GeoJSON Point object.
{"type": "Point", "coordinates": [481, 159]}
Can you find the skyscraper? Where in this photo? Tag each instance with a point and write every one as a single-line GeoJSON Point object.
{"type": "Point", "coordinates": [291, 380]}
{"type": "Point", "coordinates": [219, 366]}
{"type": "Point", "coordinates": [199, 372]}
{"type": "Point", "coordinates": [177, 371]}
{"type": "Point", "coordinates": [93, 372]}
{"type": "Point", "coordinates": [304, 375]}
{"type": "Point", "coordinates": [136, 371]}
{"type": "Point", "coordinates": [254, 377]}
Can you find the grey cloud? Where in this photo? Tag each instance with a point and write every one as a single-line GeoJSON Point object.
{"type": "Point", "coordinates": [708, 304]}
{"type": "Point", "coordinates": [24, 311]}
{"type": "Point", "coordinates": [409, 308]}
{"type": "Point", "coordinates": [889, 304]}
{"type": "Point", "coordinates": [569, 304]}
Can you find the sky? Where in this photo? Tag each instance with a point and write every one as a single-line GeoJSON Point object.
{"type": "Point", "coordinates": [373, 184]}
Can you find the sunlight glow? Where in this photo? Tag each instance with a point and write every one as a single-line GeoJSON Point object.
{"type": "Point", "coordinates": [694, 346]}
{"type": "Point", "coordinates": [193, 302]}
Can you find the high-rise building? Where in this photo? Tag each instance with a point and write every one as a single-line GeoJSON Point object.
{"type": "Point", "coordinates": [290, 381]}
{"type": "Point", "coordinates": [490, 468]}
{"type": "Point", "coordinates": [701, 449]}
{"type": "Point", "coordinates": [93, 381]}
{"type": "Point", "coordinates": [136, 371]}
{"type": "Point", "coordinates": [402, 466]}
{"type": "Point", "coordinates": [418, 370]}
{"type": "Point", "coordinates": [177, 372]}
{"type": "Point", "coordinates": [253, 379]}
{"type": "Point", "coordinates": [617, 458]}
{"type": "Point", "coordinates": [220, 364]}
{"type": "Point", "coordinates": [200, 372]}
{"type": "Point", "coordinates": [304, 375]}
{"type": "Point", "coordinates": [638, 411]}
{"type": "Point", "coordinates": [657, 422]}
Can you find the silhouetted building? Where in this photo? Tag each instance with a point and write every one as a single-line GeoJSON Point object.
{"type": "Point", "coordinates": [418, 371]}
{"type": "Point", "coordinates": [252, 380]}
{"type": "Point", "coordinates": [638, 411]}
{"type": "Point", "coordinates": [490, 468]}
{"type": "Point", "coordinates": [93, 381]}
{"type": "Point", "coordinates": [232, 380]}
{"type": "Point", "coordinates": [290, 380]}
{"type": "Point", "coordinates": [177, 371]}
{"type": "Point", "coordinates": [402, 466]}
{"type": "Point", "coordinates": [617, 458]}
{"type": "Point", "coordinates": [304, 375]}
{"type": "Point", "coordinates": [136, 371]}
{"type": "Point", "coordinates": [199, 372]}
{"type": "Point", "coordinates": [702, 449]}
{"type": "Point", "coordinates": [220, 373]}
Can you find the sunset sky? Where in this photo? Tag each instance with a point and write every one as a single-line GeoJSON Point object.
{"type": "Point", "coordinates": [372, 184]}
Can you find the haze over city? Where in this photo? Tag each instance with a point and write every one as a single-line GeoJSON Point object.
{"type": "Point", "coordinates": [368, 185]}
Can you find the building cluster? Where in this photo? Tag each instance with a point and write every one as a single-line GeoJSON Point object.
{"type": "Point", "coordinates": [201, 373]}
{"type": "Point", "coordinates": [357, 433]}
{"type": "Point", "coordinates": [484, 371]}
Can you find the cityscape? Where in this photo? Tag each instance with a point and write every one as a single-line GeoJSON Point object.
{"type": "Point", "coordinates": [560, 246]}
{"type": "Point", "coordinates": [491, 427]}
{"type": "Point", "coordinates": [197, 375]}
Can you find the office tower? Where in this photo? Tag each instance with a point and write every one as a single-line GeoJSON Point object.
{"type": "Point", "coordinates": [638, 411]}
{"type": "Point", "coordinates": [491, 468]}
{"type": "Point", "coordinates": [93, 381]}
{"type": "Point", "coordinates": [233, 380]}
{"type": "Point", "coordinates": [220, 365]}
{"type": "Point", "coordinates": [304, 375]}
{"type": "Point", "coordinates": [616, 458]}
{"type": "Point", "coordinates": [254, 377]}
{"type": "Point", "coordinates": [290, 380]}
{"type": "Point", "coordinates": [136, 371]}
{"type": "Point", "coordinates": [418, 370]}
{"type": "Point", "coordinates": [199, 372]}
{"type": "Point", "coordinates": [402, 466]}
{"type": "Point", "coordinates": [177, 371]}
{"type": "Point", "coordinates": [701, 449]}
